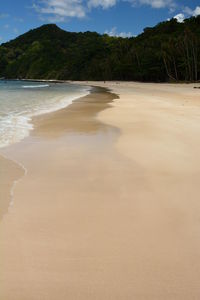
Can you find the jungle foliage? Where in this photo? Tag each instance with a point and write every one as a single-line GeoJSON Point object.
{"type": "Point", "coordinates": [169, 51]}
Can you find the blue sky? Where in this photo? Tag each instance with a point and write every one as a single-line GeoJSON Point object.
{"type": "Point", "coordinates": [115, 17]}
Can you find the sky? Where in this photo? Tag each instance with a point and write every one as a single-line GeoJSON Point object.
{"type": "Point", "coordinates": [115, 17]}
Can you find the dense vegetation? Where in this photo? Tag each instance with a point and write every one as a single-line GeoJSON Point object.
{"type": "Point", "coordinates": [169, 51]}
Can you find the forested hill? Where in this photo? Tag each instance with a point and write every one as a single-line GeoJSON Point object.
{"type": "Point", "coordinates": [169, 51]}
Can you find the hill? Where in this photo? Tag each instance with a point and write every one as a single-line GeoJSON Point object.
{"type": "Point", "coordinates": [166, 52]}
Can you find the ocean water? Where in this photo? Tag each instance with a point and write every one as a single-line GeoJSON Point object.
{"type": "Point", "coordinates": [21, 100]}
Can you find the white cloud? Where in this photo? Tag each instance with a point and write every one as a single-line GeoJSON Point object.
{"type": "Point", "coordinates": [60, 10]}
{"type": "Point", "coordinates": [196, 11]}
{"type": "Point", "coordinates": [155, 3]}
{"type": "Point", "coordinates": [191, 12]}
{"type": "Point", "coordinates": [180, 18]}
{"type": "Point", "coordinates": [187, 12]}
{"type": "Point", "coordinates": [113, 32]}
{"type": "Point", "coordinates": [102, 3]}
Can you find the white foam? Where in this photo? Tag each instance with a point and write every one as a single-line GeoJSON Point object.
{"type": "Point", "coordinates": [16, 126]}
{"type": "Point", "coordinates": [35, 86]}
{"type": "Point", "coordinates": [13, 129]}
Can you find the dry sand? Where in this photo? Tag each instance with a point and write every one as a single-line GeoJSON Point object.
{"type": "Point", "coordinates": [110, 206]}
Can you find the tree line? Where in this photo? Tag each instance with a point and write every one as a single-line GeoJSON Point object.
{"type": "Point", "coordinates": [167, 52]}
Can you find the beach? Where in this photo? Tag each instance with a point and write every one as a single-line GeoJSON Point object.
{"type": "Point", "coordinates": [101, 200]}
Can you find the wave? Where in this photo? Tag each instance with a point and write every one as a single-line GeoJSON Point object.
{"type": "Point", "coordinates": [35, 86]}
{"type": "Point", "coordinates": [14, 128]}
{"type": "Point", "coordinates": [16, 125]}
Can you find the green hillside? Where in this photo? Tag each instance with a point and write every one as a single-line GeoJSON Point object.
{"type": "Point", "coordinates": [169, 51]}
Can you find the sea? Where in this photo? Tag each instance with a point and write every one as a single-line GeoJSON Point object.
{"type": "Point", "coordinates": [21, 100]}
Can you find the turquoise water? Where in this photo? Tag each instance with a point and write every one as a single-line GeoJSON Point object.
{"type": "Point", "coordinates": [21, 100]}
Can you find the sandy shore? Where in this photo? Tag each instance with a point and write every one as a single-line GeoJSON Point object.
{"type": "Point", "coordinates": [10, 172]}
{"type": "Point", "coordinates": [109, 207]}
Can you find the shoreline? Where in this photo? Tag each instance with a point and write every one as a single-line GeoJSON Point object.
{"type": "Point", "coordinates": [101, 82]}
{"type": "Point", "coordinates": [110, 203]}
{"type": "Point", "coordinates": [30, 152]}
{"type": "Point", "coordinates": [26, 119]}
{"type": "Point", "coordinates": [16, 168]}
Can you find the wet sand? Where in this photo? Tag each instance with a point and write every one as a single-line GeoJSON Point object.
{"type": "Point", "coordinates": [109, 207]}
{"type": "Point", "coordinates": [10, 172]}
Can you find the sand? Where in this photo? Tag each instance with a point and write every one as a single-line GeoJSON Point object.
{"type": "Point", "coordinates": [109, 207]}
{"type": "Point", "coordinates": [10, 172]}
